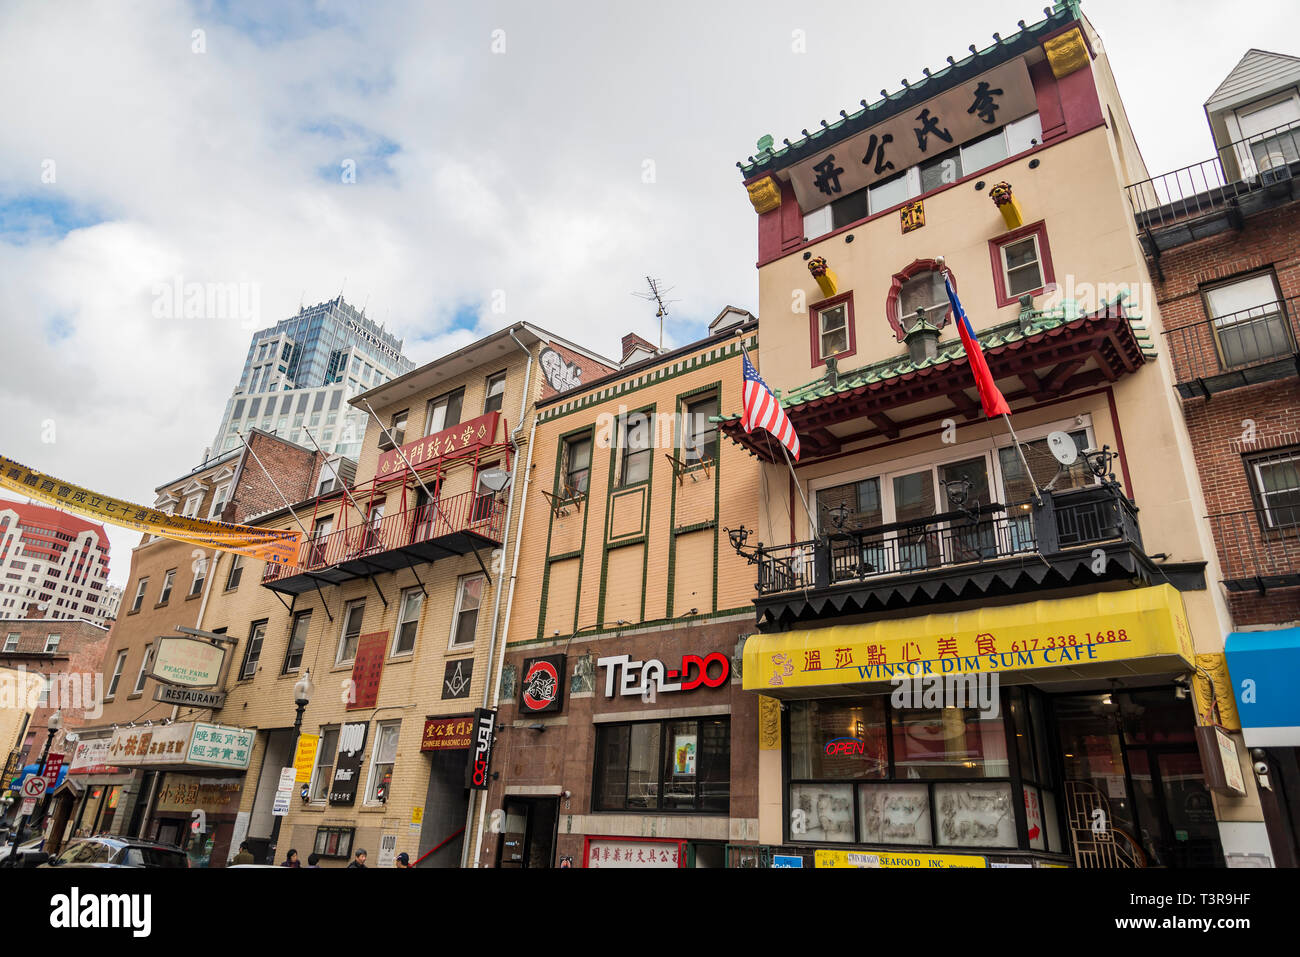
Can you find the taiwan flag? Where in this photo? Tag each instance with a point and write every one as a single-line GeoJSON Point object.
{"type": "Point", "coordinates": [990, 397]}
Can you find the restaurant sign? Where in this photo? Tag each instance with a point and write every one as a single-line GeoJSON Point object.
{"type": "Point", "coordinates": [628, 677]}
{"type": "Point", "coordinates": [903, 859]}
{"type": "Point", "coordinates": [542, 687]}
{"type": "Point", "coordinates": [187, 661]}
{"type": "Point", "coordinates": [147, 746]}
{"type": "Point", "coordinates": [218, 746]}
{"type": "Point", "coordinates": [465, 436]}
{"type": "Point", "coordinates": [978, 106]}
{"type": "Point", "coordinates": [91, 756]}
{"type": "Point", "coordinates": [190, 697]}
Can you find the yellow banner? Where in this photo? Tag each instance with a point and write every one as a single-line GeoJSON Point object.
{"type": "Point", "coordinates": [908, 859]}
{"type": "Point", "coordinates": [263, 544]}
{"type": "Point", "coordinates": [1146, 628]}
{"type": "Point", "coordinates": [304, 758]}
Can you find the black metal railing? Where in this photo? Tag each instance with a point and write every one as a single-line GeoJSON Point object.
{"type": "Point", "coordinates": [1063, 520]}
{"type": "Point", "coordinates": [1259, 548]}
{"type": "Point", "coordinates": [1234, 342]}
{"type": "Point", "coordinates": [1238, 169]}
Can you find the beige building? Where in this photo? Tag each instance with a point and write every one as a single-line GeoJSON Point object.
{"type": "Point", "coordinates": [1087, 587]}
{"type": "Point", "coordinates": [393, 607]}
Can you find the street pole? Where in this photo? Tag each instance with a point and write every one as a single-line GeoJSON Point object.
{"type": "Point", "coordinates": [297, 731]}
{"type": "Point", "coordinates": [40, 769]}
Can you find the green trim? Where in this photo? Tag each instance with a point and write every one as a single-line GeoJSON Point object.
{"type": "Point", "coordinates": [680, 402]}
{"type": "Point", "coordinates": [697, 527]}
{"type": "Point", "coordinates": [646, 485]}
{"type": "Point", "coordinates": [565, 556]}
{"type": "Point", "coordinates": [665, 624]}
{"type": "Point", "coordinates": [580, 554]}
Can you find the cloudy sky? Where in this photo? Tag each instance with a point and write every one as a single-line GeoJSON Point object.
{"type": "Point", "coordinates": [544, 157]}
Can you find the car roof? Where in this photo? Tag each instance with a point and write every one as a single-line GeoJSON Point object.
{"type": "Point", "coordinates": [117, 841]}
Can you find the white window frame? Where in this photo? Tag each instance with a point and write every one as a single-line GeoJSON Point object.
{"type": "Point", "coordinates": [236, 564]}
{"type": "Point", "coordinates": [1257, 479]}
{"type": "Point", "coordinates": [375, 763]}
{"type": "Point", "coordinates": [1006, 269]}
{"type": "Point", "coordinates": [455, 616]}
{"type": "Point", "coordinates": [145, 662]}
{"type": "Point", "coordinates": [490, 392]}
{"type": "Point", "coordinates": [117, 675]}
{"type": "Point", "coordinates": [11, 641]}
{"type": "Point", "coordinates": [56, 638]}
{"type": "Point", "coordinates": [192, 505]}
{"type": "Point", "coordinates": [322, 752]}
{"type": "Point", "coordinates": [843, 308]}
{"type": "Point", "coordinates": [169, 579]}
{"type": "Point", "coordinates": [256, 638]}
{"type": "Point", "coordinates": [347, 617]}
{"type": "Point", "coordinates": [219, 500]}
{"type": "Point", "coordinates": [200, 575]}
{"type": "Point", "coordinates": [138, 601]}
{"type": "Point", "coordinates": [402, 620]}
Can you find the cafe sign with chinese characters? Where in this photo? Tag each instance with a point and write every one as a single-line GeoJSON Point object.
{"type": "Point", "coordinates": [145, 746]}
{"type": "Point", "coordinates": [970, 110]}
{"type": "Point", "coordinates": [218, 746]}
{"type": "Point", "coordinates": [467, 436]}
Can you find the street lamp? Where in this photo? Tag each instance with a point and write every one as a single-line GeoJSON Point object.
{"type": "Point", "coordinates": [53, 726]}
{"type": "Point", "coordinates": [302, 690]}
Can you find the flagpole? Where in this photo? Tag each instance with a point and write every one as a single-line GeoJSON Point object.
{"type": "Point", "coordinates": [812, 522]}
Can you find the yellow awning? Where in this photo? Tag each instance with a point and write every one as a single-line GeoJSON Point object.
{"type": "Point", "coordinates": [1117, 634]}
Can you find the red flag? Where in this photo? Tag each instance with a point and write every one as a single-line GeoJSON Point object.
{"type": "Point", "coordinates": [990, 397]}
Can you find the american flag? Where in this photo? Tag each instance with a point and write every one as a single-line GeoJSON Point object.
{"type": "Point", "coordinates": [763, 411]}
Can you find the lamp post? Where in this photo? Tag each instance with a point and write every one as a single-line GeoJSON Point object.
{"type": "Point", "coordinates": [53, 726]}
{"type": "Point", "coordinates": [302, 690]}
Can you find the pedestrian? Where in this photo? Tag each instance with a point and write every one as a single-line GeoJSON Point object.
{"type": "Point", "coordinates": [245, 856]}
{"type": "Point", "coordinates": [403, 859]}
{"type": "Point", "coordinates": [291, 859]}
{"type": "Point", "coordinates": [313, 860]}
{"type": "Point", "coordinates": [359, 860]}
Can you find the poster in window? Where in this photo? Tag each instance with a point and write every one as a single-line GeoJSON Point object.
{"type": "Point", "coordinates": [975, 815]}
{"type": "Point", "coordinates": [684, 751]}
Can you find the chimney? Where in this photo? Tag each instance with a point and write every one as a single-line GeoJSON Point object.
{"type": "Point", "coordinates": [631, 343]}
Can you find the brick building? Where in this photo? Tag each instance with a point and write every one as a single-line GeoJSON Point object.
{"type": "Point", "coordinates": [1222, 238]}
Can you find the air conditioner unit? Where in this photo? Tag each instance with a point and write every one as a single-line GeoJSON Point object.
{"type": "Point", "coordinates": [1274, 170]}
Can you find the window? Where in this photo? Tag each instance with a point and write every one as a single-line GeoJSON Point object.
{"type": "Point", "coordinates": [323, 773]}
{"type": "Point", "coordinates": [145, 664]}
{"type": "Point", "coordinates": [51, 644]}
{"type": "Point", "coordinates": [1022, 263]}
{"type": "Point", "coordinates": [297, 642]}
{"type": "Point", "coordinates": [117, 674]}
{"type": "Point", "coordinates": [1276, 481]}
{"type": "Point", "coordinates": [699, 435]}
{"type": "Point", "coordinates": [1270, 129]}
{"type": "Point", "coordinates": [165, 595]}
{"type": "Point", "coordinates": [635, 449]}
{"type": "Point", "coordinates": [200, 573]}
{"type": "Point", "coordinates": [575, 468]}
{"type": "Point", "coordinates": [352, 616]}
{"type": "Point", "coordinates": [236, 572]}
{"type": "Point", "coordinates": [469, 595]}
{"type": "Point", "coordinates": [11, 642]}
{"type": "Point", "coordinates": [253, 652]}
{"type": "Point", "coordinates": [334, 842]}
{"type": "Point", "coordinates": [192, 504]}
{"type": "Point", "coordinates": [408, 621]}
{"type": "Point", "coordinates": [679, 765]}
{"type": "Point", "coordinates": [382, 759]}
{"type": "Point", "coordinates": [496, 393]}
{"type": "Point", "coordinates": [139, 594]}
{"type": "Point", "coordinates": [396, 433]}
{"type": "Point", "coordinates": [891, 192]}
{"type": "Point", "coordinates": [1248, 321]}
{"type": "Point", "coordinates": [923, 293]}
{"type": "Point", "coordinates": [832, 326]}
{"type": "Point", "coordinates": [443, 412]}
{"type": "Point", "coordinates": [219, 498]}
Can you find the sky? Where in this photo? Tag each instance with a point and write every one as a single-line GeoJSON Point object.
{"type": "Point", "coordinates": [451, 168]}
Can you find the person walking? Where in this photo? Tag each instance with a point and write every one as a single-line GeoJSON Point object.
{"type": "Point", "coordinates": [245, 856]}
{"type": "Point", "coordinates": [359, 860]}
{"type": "Point", "coordinates": [313, 860]}
{"type": "Point", "coordinates": [403, 859]}
{"type": "Point", "coordinates": [291, 859]}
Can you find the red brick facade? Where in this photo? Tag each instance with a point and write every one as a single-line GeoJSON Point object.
{"type": "Point", "coordinates": [296, 472]}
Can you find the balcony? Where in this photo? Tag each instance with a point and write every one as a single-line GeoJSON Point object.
{"type": "Point", "coordinates": [1242, 348]}
{"type": "Point", "coordinates": [456, 525]}
{"type": "Point", "coordinates": [1081, 536]}
{"type": "Point", "coordinates": [1259, 549]}
{"type": "Point", "coordinates": [1214, 195]}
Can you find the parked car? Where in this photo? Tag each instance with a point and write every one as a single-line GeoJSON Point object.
{"type": "Point", "coordinates": [118, 852]}
{"type": "Point", "coordinates": [29, 853]}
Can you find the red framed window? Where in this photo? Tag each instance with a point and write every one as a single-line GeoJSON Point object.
{"type": "Point", "coordinates": [830, 329]}
{"type": "Point", "coordinates": [918, 286]}
{"type": "Point", "coordinates": [1022, 263]}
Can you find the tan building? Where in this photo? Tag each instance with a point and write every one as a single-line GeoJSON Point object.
{"type": "Point", "coordinates": [393, 607]}
{"type": "Point", "coordinates": [624, 738]}
{"type": "Point", "coordinates": [1081, 603]}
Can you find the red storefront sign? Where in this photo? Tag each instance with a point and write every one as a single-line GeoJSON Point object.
{"type": "Point", "coordinates": [466, 436]}
{"type": "Point", "coordinates": [53, 763]}
{"type": "Point", "coordinates": [447, 734]}
{"type": "Point", "coordinates": [367, 669]}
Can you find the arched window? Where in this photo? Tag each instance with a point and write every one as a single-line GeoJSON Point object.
{"type": "Point", "coordinates": [918, 287]}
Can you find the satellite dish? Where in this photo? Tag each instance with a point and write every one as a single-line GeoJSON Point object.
{"type": "Point", "coordinates": [494, 479]}
{"type": "Point", "coordinates": [1063, 447]}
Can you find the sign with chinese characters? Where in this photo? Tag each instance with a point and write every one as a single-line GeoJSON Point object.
{"type": "Point", "coordinates": [190, 697]}
{"type": "Point", "coordinates": [627, 677]}
{"type": "Point", "coordinates": [91, 756]}
{"type": "Point", "coordinates": [447, 734]}
{"type": "Point", "coordinates": [896, 859]}
{"type": "Point", "coordinates": [367, 670]}
{"type": "Point", "coordinates": [456, 677]}
{"type": "Point", "coordinates": [187, 661]}
{"type": "Point", "coordinates": [971, 109]}
{"type": "Point", "coordinates": [53, 764]}
{"type": "Point", "coordinates": [634, 853]}
{"type": "Point", "coordinates": [542, 687]}
{"type": "Point", "coordinates": [455, 440]}
{"type": "Point", "coordinates": [304, 757]}
{"type": "Point", "coordinates": [480, 750]}
{"type": "Point", "coordinates": [182, 793]}
{"type": "Point", "coordinates": [347, 765]}
{"type": "Point", "coordinates": [218, 746]}
{"type": "Point", "coordinates": [912, 216]}
{"type": "Point", "coordinates": [146, 746]}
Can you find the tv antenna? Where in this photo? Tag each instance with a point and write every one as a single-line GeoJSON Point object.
{"type": "Point", "coordinates": [656, 295]}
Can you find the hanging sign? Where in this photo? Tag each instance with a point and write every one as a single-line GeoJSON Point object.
{"type": "Point", "coordinates": [480, 750]}
{"type": "Point", "coordinates": [352, 741]}
{"type": "Point", "coordinates": [367, 670]}
{"type": "Point", "coordinates": [263, 544]}
{"type": "Point", "coordinates": [457, 439]}
{"type": "Point", "coordinates": [187, 661]}
{"type": "Point", "coordinates": [542, 687]}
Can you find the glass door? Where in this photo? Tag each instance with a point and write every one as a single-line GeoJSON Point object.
{"type": "Point", "coordinates": [916, 547]}
{"type": "Point", "coordinates": [965, 484]}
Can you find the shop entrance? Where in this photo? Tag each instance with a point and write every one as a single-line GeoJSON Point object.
{"type": "Point", "coordinates": [528, 839]}
{"type": "Point", "coordinates": [1130, 763]}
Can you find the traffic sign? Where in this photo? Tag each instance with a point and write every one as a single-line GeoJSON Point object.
{"type": "Point", "coordinates": [34, 786]}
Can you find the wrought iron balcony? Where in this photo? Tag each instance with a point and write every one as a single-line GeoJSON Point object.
{"type": "Point", "coordinates": [1212, 196]}
{"type": "Point", "coordinates": [1241, 348]}
{"type": "Point", "coordinates": [1259, 549]}
{"type": "Point", "coordinates": [957, 555]}
{"type": "Point", "coordinates": [456, 525]}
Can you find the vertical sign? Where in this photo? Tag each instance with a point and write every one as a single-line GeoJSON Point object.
{"type": "Point", "coordinates": [542, 687]}
{"type": "Point", "coordinates": [367, 669]}
{"type": "Point", "coordinates": [283, 792]}
{"type": "Point", "coordinates": [304, 757]}
{"type": "Point", "coordinates": [347, 766]}
{"type": "Point", "coordinates": [480, 750]}
{"type": "Point", "coordinates": [53, 763]}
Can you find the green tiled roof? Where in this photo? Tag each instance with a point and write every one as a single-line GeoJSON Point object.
{"type": "Point", "coordinates": [1062, 11]}
{"type": "Point", "coordinates": [1029, 323]}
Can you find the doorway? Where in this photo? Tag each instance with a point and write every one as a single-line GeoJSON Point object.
{"type": "Point", "coordinates": [528, 838]}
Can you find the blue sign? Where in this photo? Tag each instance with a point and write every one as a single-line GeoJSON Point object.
{"type": "Point", "coordinates": [1264, 667]}
{"type": "Point", "coordinates": [780, 861]}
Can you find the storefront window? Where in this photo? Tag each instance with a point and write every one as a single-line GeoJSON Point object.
{"type": "Point", "coordinates": [975, 815]}
{"type": "Point", "coordinates": [838, 739]}
{"type": "Point", "coordinates": [949, 743]}
{"type": "Point", "coordinates": [682, 765]}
